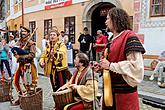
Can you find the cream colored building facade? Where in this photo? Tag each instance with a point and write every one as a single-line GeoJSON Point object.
{"type": "Point", "coordinates": [82, 11]}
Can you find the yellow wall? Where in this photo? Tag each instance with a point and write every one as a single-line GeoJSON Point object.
{"type": "Point", "coordinates": [57, 15]}
{"type": "Point", "coordinates": [18, 22]}
{"type": "Point", "coordinates": [128, 6]}
{"type": "Point", "coordinates": [12, 22]}
{"type": "Point", "coordinates": [29, 3]}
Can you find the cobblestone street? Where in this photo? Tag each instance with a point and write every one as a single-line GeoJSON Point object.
{"type": "Point", "coordinates": [42, 38]}
{"type": "Point", "coordinates": [48, 104]}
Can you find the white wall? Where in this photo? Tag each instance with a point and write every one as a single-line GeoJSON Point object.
{"type": "Point", "coordinates": [153, 29]}
{"type": "Point", "coordinates": [154, 40]}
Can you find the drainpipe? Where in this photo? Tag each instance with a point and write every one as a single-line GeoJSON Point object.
{"type": "Point", "coordinates": [22, 12]}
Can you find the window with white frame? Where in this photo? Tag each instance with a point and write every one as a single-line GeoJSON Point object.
{"type": "Point", "coordinates": [18, 4]}
{"type": "Point", "coordinates": [18, 1]}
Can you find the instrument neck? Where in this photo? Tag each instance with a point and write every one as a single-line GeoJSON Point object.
{"type": "Point", "coordinates": [52, 43]}
{"type": "Point", "coordinates": [80, 68]}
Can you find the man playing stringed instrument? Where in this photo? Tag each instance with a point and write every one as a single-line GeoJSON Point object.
{"type": "Point", "coordinates": [54, 61]}
{"type": "Point", "coordinates": [124, 62]}
{"type": "Point", "coordinates": [25, 52]}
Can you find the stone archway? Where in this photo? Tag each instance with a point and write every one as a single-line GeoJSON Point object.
{"type": "Point", "coordinates": [86, 18]}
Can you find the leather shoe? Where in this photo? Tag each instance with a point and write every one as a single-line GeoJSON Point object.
{"type": "Point", "coordinates": [162, 85]}
{"type": "Point", "coordinates": [17, 102]}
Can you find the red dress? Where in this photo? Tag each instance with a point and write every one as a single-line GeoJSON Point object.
{"type": "Point", "coordinates": [125, 97]}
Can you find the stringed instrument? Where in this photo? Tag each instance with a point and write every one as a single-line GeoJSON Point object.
{"type": "Point", "coordinates": [108, 97]}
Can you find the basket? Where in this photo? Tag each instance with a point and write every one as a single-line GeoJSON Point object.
{"type": "Point", "coordinates": [33, 101]}
{"type": "Point", "coordinates": [4, 91]}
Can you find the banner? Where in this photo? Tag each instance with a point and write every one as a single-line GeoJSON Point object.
{"type": "Point", "coordinates": [49, 4]}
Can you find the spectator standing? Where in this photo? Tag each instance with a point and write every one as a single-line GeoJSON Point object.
{"type": "Point", "coordinates": [36, 59]}
{"type": "Point", "coordinates": [85, 41]}
{"type": "Point", "coordinates": [5, 56]}
{"type": "Point", "coordinates": [11, 41]}
{"type": "Point", "coordinates": [64, 38]}
{"type": "Point", "coordinates": [13, 63]}
{"type": "Point", "coordinates": [0, 49]}
{"type": "Point", "coordinates": [45, 42]}
{"type": "Point", "coordinates": [100, 45]}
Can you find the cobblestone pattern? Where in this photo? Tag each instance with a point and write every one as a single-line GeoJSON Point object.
{"type": "Point", "coordinates": [151, 87]}
{"type": "Point", "coordinates": [48, 103]}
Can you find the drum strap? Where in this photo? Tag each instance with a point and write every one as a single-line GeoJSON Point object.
{"type": "Point", "coordinates": [81, 76]}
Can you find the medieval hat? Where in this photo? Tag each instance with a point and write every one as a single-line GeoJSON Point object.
{"type": "Point", "coordinates": [28, 31]}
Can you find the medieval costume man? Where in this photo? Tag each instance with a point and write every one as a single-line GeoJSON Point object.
{"type": "Point", "coordinates": [54, 61]}
{"type": "Point", "coordinates": [84, 84]}
{"type": "Point", "coordinates": [124, 62]}
{"type": "Point", "coordinates": [25, 53]}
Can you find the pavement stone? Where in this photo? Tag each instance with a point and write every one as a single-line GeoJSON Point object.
{"type": "Point", "coordinates": [147, 87]}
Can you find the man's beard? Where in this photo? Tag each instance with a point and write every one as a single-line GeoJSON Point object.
{"type": "Point", "coordinates": [23, 35]}
{"type": "Point", "coordinates": [77, 66]}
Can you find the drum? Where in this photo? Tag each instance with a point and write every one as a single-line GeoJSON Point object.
{"type": "Point", "coordinates": [63, 98]}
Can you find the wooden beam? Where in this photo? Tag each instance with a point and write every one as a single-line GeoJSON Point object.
{"type": "Point", "coordinates": [22, 12]}
{"type": "Point", "coordinates": [150, 56]}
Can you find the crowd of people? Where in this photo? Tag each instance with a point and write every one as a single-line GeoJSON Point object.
{"type": "Point", "coordinates": [123, 60]}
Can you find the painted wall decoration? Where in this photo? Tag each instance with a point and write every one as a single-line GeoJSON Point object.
{"type": "Point", "coordinates": [136, 20]}
{"type": "Point", "coordinates": [147, 21]}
